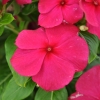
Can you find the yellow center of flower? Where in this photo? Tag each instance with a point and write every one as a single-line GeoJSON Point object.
{"type": "Point", "coordinates": [49, 49]}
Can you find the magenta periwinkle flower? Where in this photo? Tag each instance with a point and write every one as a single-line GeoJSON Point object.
{"type": "Point", "coordinates": [91, 8]}
{"type": "Point", "coordinates": [88, 85]}
{"type": "Point", "coordinates": [50, 56]}
{"type": "Point", "coordinates": [54, 12]}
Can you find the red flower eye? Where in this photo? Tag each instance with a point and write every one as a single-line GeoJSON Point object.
{"type": "Point", "coordinates": [62, 2]}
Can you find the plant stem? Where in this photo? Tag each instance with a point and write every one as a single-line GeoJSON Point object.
{"type": "Point", "coordinates": [12, 28]}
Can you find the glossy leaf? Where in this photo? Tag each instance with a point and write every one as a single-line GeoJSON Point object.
{"type": "Point", "coordinates": [54, 95]}
{"type": "Point", "coordinates": [29, 9]}
{"type": "Point", "coordinates": [10, 48]}
{"type": "Point", "coordinates": [16, 92]}
{"type": "Point", "coordinates": [6, 18]}
{"type": "Point", "coordinates": [1, 30]}
{"type": "Point", "coordinates": [78, 74]}
{"type": "Point", "coordinates": [16, 8]}
{"type": "Point", "coordinates": [93, 43]}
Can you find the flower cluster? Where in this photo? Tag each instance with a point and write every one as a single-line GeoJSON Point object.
{"type": "Point", "coordinates": [54, 52]}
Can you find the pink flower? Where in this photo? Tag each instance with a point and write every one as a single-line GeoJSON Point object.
{"type": "Point", "coordinates": [88, 85]}
{"type": "Point", "coordinates": [20, 2]}
{"type": "Point", "coordinates": [94, 30]}
{"type": "Point", "coordinates": [4, 1]}
{"type": "Point", "coordinates": [50, 56]}
{"type": "Point", "coordinates": [54, 12]}
{"type": "Point", "coordinates": [91, 9]}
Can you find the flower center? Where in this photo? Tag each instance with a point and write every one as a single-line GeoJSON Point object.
{"type": "Point", "coordinates": [49, 49]}
{"type": "Point", "coordinates": [95, 2]}
{"type": "Point", "coordinates": [62, 2]}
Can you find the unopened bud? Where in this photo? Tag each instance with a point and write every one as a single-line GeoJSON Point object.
{"type": "Point", "coordinates": [83, 28]}
{"type": "Point", "coordinates": [37, 85]}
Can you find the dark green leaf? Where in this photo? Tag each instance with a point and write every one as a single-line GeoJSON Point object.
{"type": "Point", "coordinates": [78, 74]}
{"type": "Point", "coordinates": [16, 8]}
{"type": "Point", "coordinates": [16, 92]}
{"type": "Point", "coordinates": [1, 30]}
{"type": "Point", "coordinates": [94, 63]}
{"type": "Point", "coordinates": [29, 9]}
{"type": "Point", "coordinates": [54, 95]}
{"type": "Point", "coordinates": [21, 25]}
{"type": "Point", "coordinates": [93, 43]}
{"type": "Point", "coordinates": [10, 48]}
{"type": "Point", "coordinates": [71, 86]}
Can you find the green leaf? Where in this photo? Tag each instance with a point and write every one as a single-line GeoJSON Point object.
{"type": "Point", "coordinates": [1, 30]}
{"type": "Point", "coordinates": [10, 48]}
{"type": "Point", "coordinates": [94, 63]}
{"type": "Point", "coordinates": [6, 18]}
{"type": "Point", "coordinates": [99, 48]}
{"type": "Point", "coordinates": [71, 86]}
{"type": "Point", "coordinates": [78, 74]}
{"type": "Point", "coordinates": [16, 92]}
{"type": "Point", "coordinates": [54, 95]}
{"type": "Point", "coordinates": [93, 43]}
{"type": "Point", "coordinates": [29, 9]}
{"type": "Point", "coordinates": [16, 8]}
{"type": "Point", "coordinates": [5, 75]}
{"type": "Point", "coordinates": [21, 25]}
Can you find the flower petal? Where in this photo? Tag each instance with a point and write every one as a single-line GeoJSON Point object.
{"type": "Point", "coordinates": [72, 1]}
{"type": "Point", "coordinates": [89, 0]}
{"type": "Point", "coordinates": [78, 96]}
{"type": "Point", "coordinates": [4, 1]}
{"type": "Point", "coordinates": [75, 50]}
{"type": "Point", "coordinates": [89, 83]}
{"type": "Point", "coordinates": [31, 39]}
{"type": "Point", "coordinates": [89, 10]}
{"type": "Point", "coordinates": [21, 2]}
{"type": "Point", "coordinates": [27, 62]}
{"type": "Point", "coordinates": [52, 18]}
{"type": "Point", "coordinates": [46, 5]}
{"type": "Point", "coordinates": [94, 30]}
{"type": "Point", "coordinates": [98, 13]}
{"type": "Point", "coordinates": [72, 13]}
{"type": "Point", "coordinates": [61, 33]}
{"type": "Point", "coordinates": [54, 74]}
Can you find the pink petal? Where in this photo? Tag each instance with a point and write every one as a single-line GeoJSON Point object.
{"type": "Point", "coordinates": [89, 0]}
{"type": "Point", "coordinates": [45, 6]}
{"type": "Point", "coordinates": [94, 30]}
{"type": "Point", "coordinates": [72, 1]}
{"type": "Point", "coordinates": [52, 18]}
{"type": "Point", "coordinates": [27, 62]}
{"type": "Point", "coordinates": [98, 14]}
{"type": "Point", "coordinates": [4, 1]}
{"type": "Point", "coordinates": [21, 2]}
{"type": "Point", "coordinates": [31, 39]}
{"type": "Point", "coordinates": [54, 74]}
{"type": "Point", "coordinates": [89, 10]}
{"type": "Point", "coordinates": [89, 83]}
{"type": "Point", "coordinates": [72, 13]}
{"type": "Point", "coordinates": [78, 96]}
{"type": "Point", "coordinates": [75, 50]}
{"type": "Point", "coordinates": [61, 33]}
